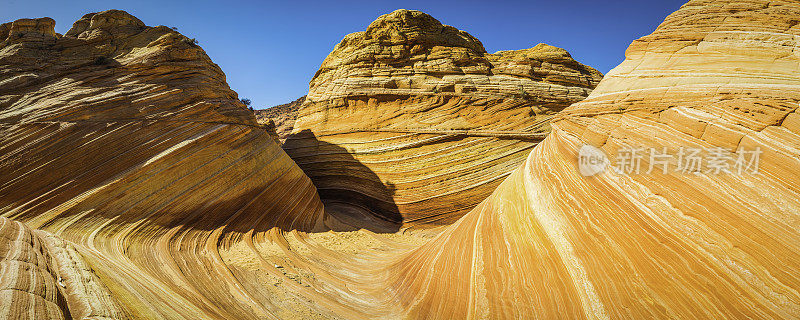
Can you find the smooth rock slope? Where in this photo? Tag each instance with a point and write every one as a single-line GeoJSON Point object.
{"type": "Point", "coordinates": [412, 122]}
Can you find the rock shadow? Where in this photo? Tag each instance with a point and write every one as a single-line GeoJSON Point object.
{"type": "Point", "coordinates": [351, 192]}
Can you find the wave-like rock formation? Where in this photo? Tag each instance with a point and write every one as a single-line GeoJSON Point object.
{"type": "Point", "coordinates": [280, 118]}
{"type": "Point", "coordinates": [43, 277]}
{"type": "Point", "coordinates": [552, 243]}
{"type": "Point", "coordinates": [412, 122]}
{"type": "Point", "coordinates": [126, 140]}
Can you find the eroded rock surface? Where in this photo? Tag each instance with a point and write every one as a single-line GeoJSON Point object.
{"type": "Point", "coordinates": [29, 286]}
{"type": "Point", "coordinates": [44, 277]}
{"type": "Point", "coordinates": [412, 122]}
{"type": "Point", "coordinates": [280, 118]}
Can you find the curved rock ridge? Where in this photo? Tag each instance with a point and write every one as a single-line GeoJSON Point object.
{"type": "Point", "coordinates": [43, 277]}
{"type": "Point", "coordinates": [127, 141]}
{"type": "Point", "coordinates": [412, 123]}
{"type": "Point", "coordinates": [549, 242]}
{"type": "Point", "coordinates": [553, 243]}
{"type": "Point", "coordinates": [28, 281]}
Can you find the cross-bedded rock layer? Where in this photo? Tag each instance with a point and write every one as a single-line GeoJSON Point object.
{"type": "Point", "coordinates": [551, 243]}
{"type": "Point", "coordinates": [44, 277]}
{"type": "Point", "coordinates": [126, 140]}
{"type": "Point", "coordinates": [547, 243]}
{"type": "Point", "coordinates": [412, 122]}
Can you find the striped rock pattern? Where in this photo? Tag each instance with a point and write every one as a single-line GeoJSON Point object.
{"type": "Point", "coordinates": [29, 286]}
{"type": "Point", "coordinates": [549, 242]}
{"type": "Point", "coordinates": [411, 122]}
{"type": "Point", "coordinates": [126, 140]}
{"type": "Point", "coordinates": [552, 243]}
{"type": "Point", "coordinates": [43, 277]}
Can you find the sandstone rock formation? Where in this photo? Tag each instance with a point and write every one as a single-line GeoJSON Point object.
{"type": "Point", "coordinates": [126, 140]}
{"type": "Point", "coordinates": [167, 237]}
{"type": "Point", "coordinates": [412, 122]}
{"type": "Point", "coordinates": [551, 243]}
{"type": "Point", "coordinates": [280, 117]}
{"type": "Point", "coordinates": [43, 277]}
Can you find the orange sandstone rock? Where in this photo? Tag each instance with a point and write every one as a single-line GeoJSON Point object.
{"type": "Point", "coordinates": [127, 141]}
{"type": "Point", "coordinates": [411, 122]}
{"type": "Point", "coordinates": [551, 243]}
{"type": "Point", "coordinates": [173, 237]}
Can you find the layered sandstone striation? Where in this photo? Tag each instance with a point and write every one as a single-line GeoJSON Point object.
{"type": "Point", "coordinates": [173, 236]}
{"type": "Point", "coordinates": [408, 53]}
{"type": "Point", "coordinates": [29, 287]}
{"type": "Point", "coordinates": [412, 122]}
{"type": "Point", "coordinates": [280, 118]}
{"type": "Point", "coordinates": [551, 243]}
{"type": "Point", "coordinates": [43, 277]}
{"type": "Point", "coordinates": [127, 141]}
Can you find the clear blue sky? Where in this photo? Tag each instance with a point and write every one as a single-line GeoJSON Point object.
{"type": "Point", "coordinates": [269, 50]}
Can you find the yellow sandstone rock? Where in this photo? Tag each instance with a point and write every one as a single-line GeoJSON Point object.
{"type": "Point", "coordinates": [551, 243]}
{"type": "Point", "coordinates": [195, 212]}
{"type": "Point", "coordinates": [43, 277]}
{"type": "Point", "coordinates": [411, 122]}
{"type": "Point", "coordinates": [127, 141]}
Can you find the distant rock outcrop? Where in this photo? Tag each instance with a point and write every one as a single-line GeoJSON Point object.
{"type": "Point", "coordinates": [127, 141]}
{"type": "Point", "coordinates": [436, 120]}
{"type": "Point", "coordinates": [280, 118]}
